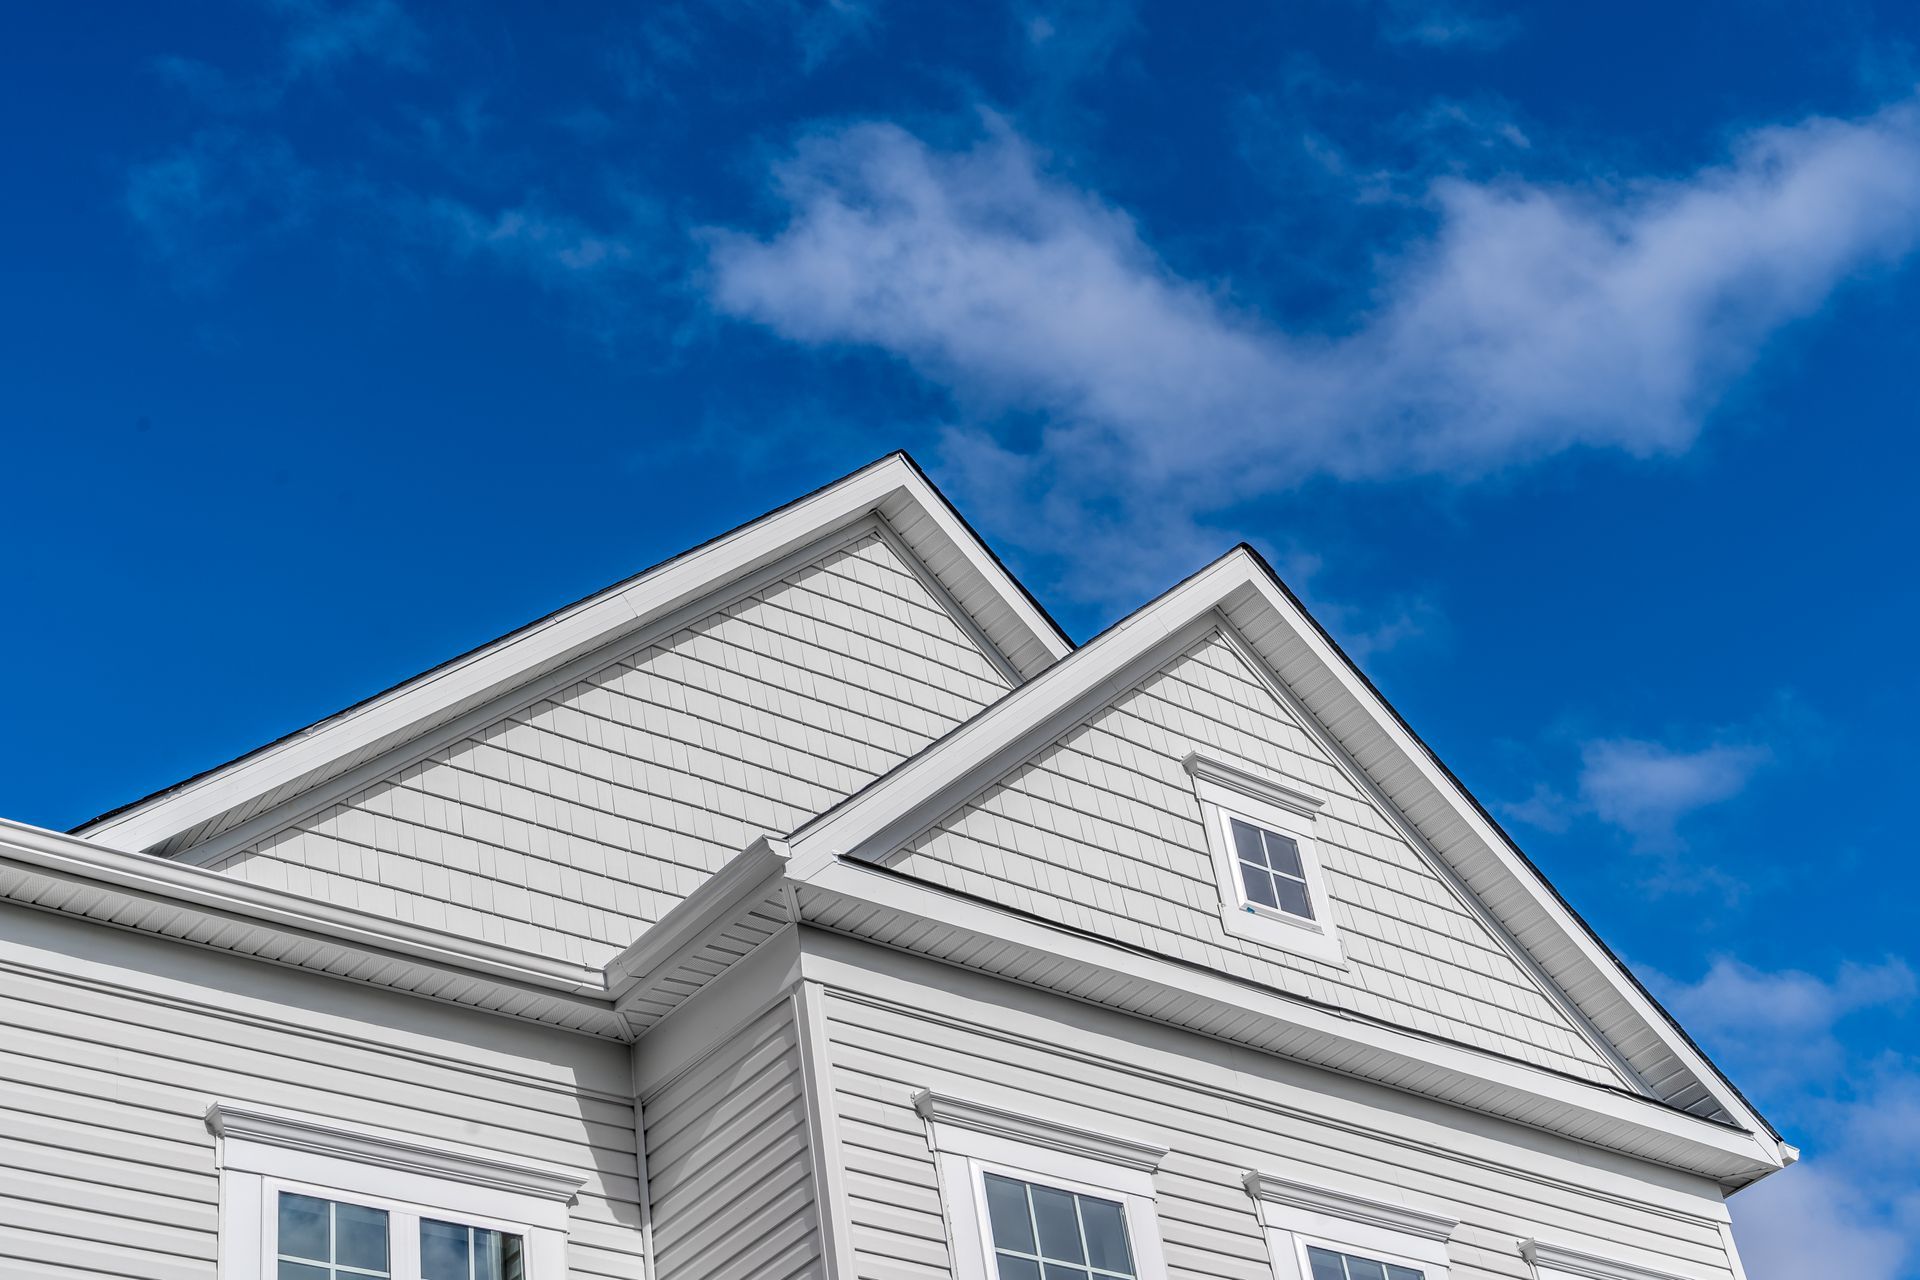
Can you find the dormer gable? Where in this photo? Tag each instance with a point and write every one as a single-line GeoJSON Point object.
{"type": "Point", "coordinates": [1455, 935]}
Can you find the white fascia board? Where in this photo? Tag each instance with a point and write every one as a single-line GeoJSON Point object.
{"type": "Point", "coordinates": [49, 870]}
{"type": "Point", "coordinates": [1418, 756]}
{"type": "Point", "coordinates": [874, 823]}
{"type": "Point", "coordinates": [745, 879]}
{"type": "Point", "coordinates": [1710, 1148]}
{"type": "Point", "coordinates": [871, 824]}
{"type": "Point", "coordinates": [574, 631]}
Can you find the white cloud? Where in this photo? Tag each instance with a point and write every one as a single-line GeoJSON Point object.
{"type": "Point", "coordinates": [1444, 24]}
{"type": "Point", "coordinates": [1533, 320]}
{"type": "Point", "coordinates": [1810, 1221]}
{"type": "Point", "coordinates": [1645, 788]}
{"type": "Point", "coordinates": [1849, 1210]}
{"type": "Point", "coordinates": [206, 205]}
{"type": "Point", "coordinates": [323, 34]}
{"type": "Point", "coordinates": [1779, 1025]}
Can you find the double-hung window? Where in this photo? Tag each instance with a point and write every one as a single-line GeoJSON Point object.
{"type": "Point", "coordinates": [1266, 857]}
{"type": "Point", "coordinates": [1029, 1198]}
{"type": "Point", "coordinates": [1317, 1232]}
{"type": "Point", "coordinates": [303, 1198]}
{"type": "Point", "coordinates": [315, 1238]}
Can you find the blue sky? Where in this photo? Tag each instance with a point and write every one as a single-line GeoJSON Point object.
{"type": "Point", "coordinates": [1559, 356]}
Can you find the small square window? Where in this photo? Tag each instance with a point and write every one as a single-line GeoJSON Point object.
{"type": "Point", "coordinates": [1266, 856]}
{"type": "Point", "coordinates": [1271, 872]}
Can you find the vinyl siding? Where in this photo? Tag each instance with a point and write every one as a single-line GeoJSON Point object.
{"type": "Point", "coordinates": [1103, 830]}
{"type": "Point", "coordinates": [729, 1169]}
{"type": "Point", "coordinates": [113, 1046]}
{"type": "Point", "coordinates": [568, 826]}
{"type": "Point", "coordinates": [1221, 1113]}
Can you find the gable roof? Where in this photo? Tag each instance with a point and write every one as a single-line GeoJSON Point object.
{"type": "Point", "coordinates": [1242, 592]}
{"type": "Point", "coordinates": [1014, 630]}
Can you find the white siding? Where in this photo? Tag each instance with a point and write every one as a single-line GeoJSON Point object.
{"type": "Point", "coordinates": [1221, 1112]}
{"type": "Point", "coordinates": [567, 827]}
{"type": "Point", "coordinates": [112, 1047]}
{"type": "Point", "coordinates": [1102, 830]}
{"type": "Point", "coordinates": [729, 1169]}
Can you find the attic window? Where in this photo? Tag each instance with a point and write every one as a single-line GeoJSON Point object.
{"type": "Point", "coordinates": [1261, 833]}
{"type": "Point", "coordinates": [1272, 876]}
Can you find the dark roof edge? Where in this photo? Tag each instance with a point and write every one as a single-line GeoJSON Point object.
{"type": "Point", "coordinates": [455, 660]}
{"type": "Point", "coordinates": [1513, 845]}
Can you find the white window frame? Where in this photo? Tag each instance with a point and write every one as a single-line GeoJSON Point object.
{"type": "Point", "coordinates": [971, 1139]}
{"type": "Point", "coordinates": [1296, 1214]}
{"type": "Point", "coordinates": [1229, 790]}
{"type": "Point", "coordinates": [1560, 1262]}
{"type": "Point", "coordinates": [262, 1152]}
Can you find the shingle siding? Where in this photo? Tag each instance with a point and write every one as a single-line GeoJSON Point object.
{"type": "Point", "coordinates": [568, 826]}
{"type": "Point", "coordinates": [1103, 830]}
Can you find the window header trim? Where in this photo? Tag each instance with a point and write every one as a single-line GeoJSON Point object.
{"type": "Point", "coordinates": [1251, 785]}
{"type": "Point", "coordinates": [294, 1132]}
{"type": "Point", "coordinates": [1553, 1261]}
{"type": "Point", "coordinates": [944, 1111]}
{"type": "Point", "coordinates": [1272, 1189]}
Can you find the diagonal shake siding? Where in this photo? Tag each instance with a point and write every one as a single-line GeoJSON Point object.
{"type": "Point", "coordinates": [1102, 830]}
{"type": "Point", "coordinates": [570, 825]}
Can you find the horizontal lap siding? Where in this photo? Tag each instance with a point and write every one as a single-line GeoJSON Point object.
{"type": "Point", "coordinates": [106, 1165]}
{"type": "Point", "coordinates": [729, 1169]}
{"type": "Point", "coordinates": [1103, 831]}
{"type": "Point", "coordinates": [880, 1056]}
{"type": "Point", "coordinates": [569, 826]}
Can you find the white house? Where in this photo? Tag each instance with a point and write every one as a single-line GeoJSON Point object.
{"type": "Point", "coordinates": [809, 905]}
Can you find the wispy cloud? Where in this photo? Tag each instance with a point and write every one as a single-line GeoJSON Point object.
{"type": "Point", "coordinates": [206, 205]}
{"type": "Point", "coordinates": [1445, 24]}
{"type": "Point", "coordinates": [1533, 319]}
{"type": "Point", "coordinates": [1848, 1210]}
{"type": "Point", "coordinates": [1646, 788]}
{"type": "Point", "coordinates": [1780, 1024]}
{"type": "Point", "coordinates": [322, 35]}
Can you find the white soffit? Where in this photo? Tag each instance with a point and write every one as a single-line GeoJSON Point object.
{"type": "Point", "coordinates": [959, 564]}
{"type": "Point", "coordinates": [1240, 591]}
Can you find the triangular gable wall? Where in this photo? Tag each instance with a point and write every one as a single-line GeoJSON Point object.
{"type": "Point", "coordinates": [1102, 830]}
{"type": "Point", "coordinates": [1430, 812]}
{"type": "Point", "coordinates": [568, 826]}
{"type": "Point", "coordinates": [218, 808]}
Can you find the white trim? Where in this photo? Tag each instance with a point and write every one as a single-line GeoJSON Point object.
{"type": "Point", "coordinates": [1295, 1214]}
{"type": "Point", "coordinates": [50, 871]}
{"type": "Point", "coordinates": [262, 1152]}
{"type": "Point", "coordinates": [874, 823]}
{"type": "Point", "coordinates": [1405, 1219]}
{"type": "Point", "coordinates": [1463, 894]}
{"type": "Point", "coordinates": [1226, 793]}
{"type": "Point", "coordinates": [891, 485]}
{"type": "Point", "coordinates": [943, 923]}
{"type": "Point", "coordinates": [949, 1116]}
{"type": "Point", "coordinates": [1247, 780]}
{"type": "Point", "coordinates": [1558, 1262]}
{"type": "Point", "coordinates": [970, 1140]}
{"type": "Point", "coordinates": [742, 880]}
{"type": "Point", "coordinates": [823, 1130]}
{"type": "Point", "coordinates": [260, 1127]}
